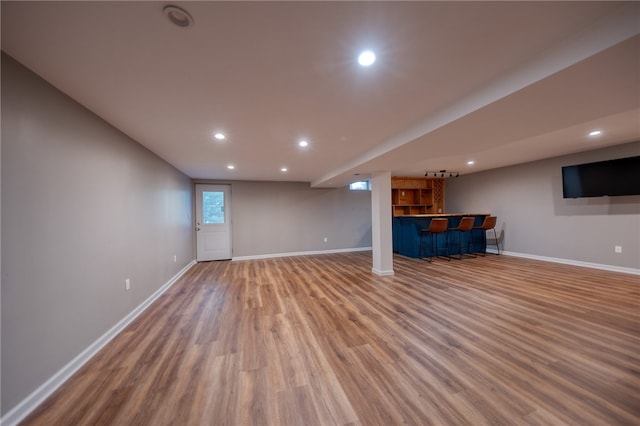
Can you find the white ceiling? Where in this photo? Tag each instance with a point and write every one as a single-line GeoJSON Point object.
{"type": "Point", "coordinates": [497, 82]}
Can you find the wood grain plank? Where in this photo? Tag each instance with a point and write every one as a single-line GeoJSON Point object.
{"type": "Point", "coordinates": [320, 340]}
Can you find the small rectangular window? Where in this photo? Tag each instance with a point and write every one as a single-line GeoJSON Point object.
{"type": "Point", "coordinates": [363, 185]}
{"type": "Point", "coordinates": [212, 207]}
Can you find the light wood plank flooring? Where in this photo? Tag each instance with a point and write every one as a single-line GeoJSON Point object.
{"type": "Point", "coordinates": [320, 340]}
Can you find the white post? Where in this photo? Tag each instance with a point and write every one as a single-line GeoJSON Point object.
{"type": "Point", "coordinates": [381, 235]}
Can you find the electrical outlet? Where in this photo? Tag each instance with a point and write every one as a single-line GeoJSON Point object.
{"type": "Point", "coordinates": [127, 284]}
{"type": "Point", "coordinates": [617, 249]}
{"type": "Point", "coordinates": [325, 239]}
{"type": "Point", "coordinates": [175, 258]}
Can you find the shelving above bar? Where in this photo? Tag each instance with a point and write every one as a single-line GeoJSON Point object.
{"type": "Point", "coordinates": [415, 196]}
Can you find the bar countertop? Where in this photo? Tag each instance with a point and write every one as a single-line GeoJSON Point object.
{"type": "Point", "coordinates": [443, 215]}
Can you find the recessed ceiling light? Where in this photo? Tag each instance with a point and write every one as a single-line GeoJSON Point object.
{"type": "Point", "coordinates": [470, 163]}
{"type": "Point", "coordinates": [595, 133]}
{"type": "Point", "coordinates": [178, 16]}
{"type": "Point", "coordinates": [303, 143]}
{"type": "Point", "coordinates": [283, 169]}
{"type": "Point", "coordinates": [220, 136]}
{"type": "Point", "coordinates": [231, 167]}
{"type": "Point", "coordinates": [366, 58]}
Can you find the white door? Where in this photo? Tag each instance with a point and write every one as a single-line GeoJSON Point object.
{"type": "Point", "coordinates": [213, 227]}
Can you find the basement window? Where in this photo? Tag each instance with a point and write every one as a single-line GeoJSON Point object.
{"type": "Point", "coordinates": [362, 185]}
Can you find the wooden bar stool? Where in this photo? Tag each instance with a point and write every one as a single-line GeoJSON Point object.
{"type": "Point", "coordinates": [436, 227]}
{"type": "Point", "coordinates": [465, 225]}
{"type": "Point", "coordinates": [488, 223]}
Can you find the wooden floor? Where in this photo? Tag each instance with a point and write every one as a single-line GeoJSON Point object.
{"type": "Point", "coordinates": [320, 340]}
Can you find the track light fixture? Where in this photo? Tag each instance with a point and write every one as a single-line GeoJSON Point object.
{"type": "Point", "coordinates": [442, 173]}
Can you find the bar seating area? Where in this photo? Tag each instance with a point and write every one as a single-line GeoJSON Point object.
{"type": "Point", "coordinates": [422, 230]}
{"type": "Point", "coordinates": [410, 235]}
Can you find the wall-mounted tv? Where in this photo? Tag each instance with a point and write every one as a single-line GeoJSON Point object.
{"type": "Point", "coordinates": [612, 177]}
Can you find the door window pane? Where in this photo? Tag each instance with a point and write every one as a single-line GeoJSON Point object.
{"type": "Point", "coordinates": [212, 207]}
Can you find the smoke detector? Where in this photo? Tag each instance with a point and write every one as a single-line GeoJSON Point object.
{"type": "Point", "coordinates": [178, 16]}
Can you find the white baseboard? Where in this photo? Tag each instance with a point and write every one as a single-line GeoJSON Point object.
{"type": "Point", "coordinates": [612, 268]}
{"type": "Point", "coordinates": [300, 253]}
{"type": "Point", "coordinates": [383, 273]}
{"type": "Point", "coordinates": [31, 402]}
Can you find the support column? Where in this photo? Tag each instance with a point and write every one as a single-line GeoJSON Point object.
{"type": "Point", "coordinates": [381, 236]}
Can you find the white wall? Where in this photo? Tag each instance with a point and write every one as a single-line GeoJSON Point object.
{"type": "Point", "coordinates": [536, 220]}
{"type": "Point", "coordinates": [83, 208]}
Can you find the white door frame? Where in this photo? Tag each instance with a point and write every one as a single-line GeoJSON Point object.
{"type": "Point", "coordinates": [213, 240]}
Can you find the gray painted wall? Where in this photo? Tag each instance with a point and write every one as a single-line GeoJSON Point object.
{"type": "Point", "coordinates": [83, 208]}
{"type": "Point", "coordinates": [536, 220]}
{"type": "Point", "coordinates": [289, 217]}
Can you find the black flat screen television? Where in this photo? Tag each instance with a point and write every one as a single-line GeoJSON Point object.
{"type": "Point", "coordinates": [612, 178]}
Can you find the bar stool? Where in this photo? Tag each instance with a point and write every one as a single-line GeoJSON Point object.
{"type": "Point", "coordinates": [436, 227]}
{"type": "Point", "coordinates": [465, 225]}
{"type": "Point", "coordinates": [488, 223]}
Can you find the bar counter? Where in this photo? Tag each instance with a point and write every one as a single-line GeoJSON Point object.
{"type": "Point", "coordinates": [406, 234]}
